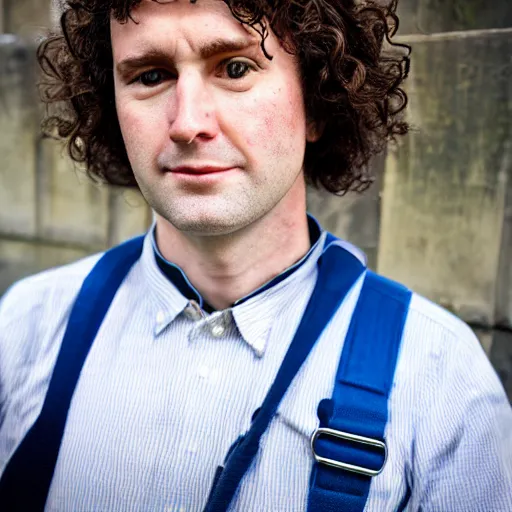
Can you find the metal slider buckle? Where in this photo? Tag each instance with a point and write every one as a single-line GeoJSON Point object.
{"type": "Point", "coordinates": [355, 439]}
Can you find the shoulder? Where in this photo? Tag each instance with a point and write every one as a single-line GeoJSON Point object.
{"type": "Point", "coordinates": [49, 290]}
{"type": "Point", "coordinates": [456, 410]}
{"type": "Point", "coordinates": [457, 369]}
{"type": "Point", "coordinates": [33, 316]}
{"type": "Point", "coordinates": [443, 370]}
{"type": "Point", "coordinates": [440, 355]}
{"type": "Point", "coordinates": [441, 331]}
{"type": "Point", "coordinates": [423, 310]}
{"type": "Point", "coordinates": [426, 322]}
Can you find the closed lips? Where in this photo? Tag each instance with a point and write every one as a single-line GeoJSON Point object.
{"type": "Point", "coordinates": [199, 170]}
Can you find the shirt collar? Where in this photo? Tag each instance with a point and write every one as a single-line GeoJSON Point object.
{"type": "Point", "coordinates": [253, 314]}
{"type": "Point", "coordinates": [178, 277]}
{"type": "Point", "coordinates": [167, 301]}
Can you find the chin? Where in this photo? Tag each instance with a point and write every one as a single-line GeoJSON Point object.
{"type": "Point", "coordinates": [203, 217]}
{"type": "Point", "coordinates": [205, 225]}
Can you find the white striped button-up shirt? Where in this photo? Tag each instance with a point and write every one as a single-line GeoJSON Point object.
{"type": "Point", "coordinates": [166, 389]}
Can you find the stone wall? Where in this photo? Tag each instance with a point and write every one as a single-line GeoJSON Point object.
{"type": "Point", "coordinates": [50, 213]}
{"type": "Point", "coordinates": [438, 218]}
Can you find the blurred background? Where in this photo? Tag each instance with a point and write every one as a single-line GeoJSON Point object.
{"type": "Point", "coordinates": [438, 218]}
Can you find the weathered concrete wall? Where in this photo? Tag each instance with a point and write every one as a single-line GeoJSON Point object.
{"type": "Point", "coordinates": [497, 344]}
{"type": "Point", "coordinates": [440, 220]}
{"type": "Point", "coordinates": [444, 190]}
{"type": "Point", "coordinates": [50, 213]}
{"type": "Point", "coordinates": [18, 126]}
{"type": "Point", "coordinates": [435, 16]}
{"type": "Point", "coordinates": [2, 16]}
{"type": "Point", "coordinates": [354, 217]}
{"type": "Point", "coordinates": [26, 18]}
{"type": "Point", "coordinates": [442, 224]}
{"type": "Point", "coordinates": [504, 281]}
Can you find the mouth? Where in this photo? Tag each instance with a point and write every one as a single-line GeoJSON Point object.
{"type": "Point", "coordinates": [199, 170]}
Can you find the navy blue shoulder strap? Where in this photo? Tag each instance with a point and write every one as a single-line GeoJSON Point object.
{"type": "Point", "coordinates": [349, 446]}
{"type": "Point", "coordinates": [26, 480]}
{"type": "Point", "coordinates": [338, 270]}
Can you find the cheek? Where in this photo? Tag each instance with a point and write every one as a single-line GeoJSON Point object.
{"type": "Point", "coordinates": [284, 123]}
{"type": "Point", "coordinates": [275, 125]}
{"type": "Point", "coordinates": [139, 132]}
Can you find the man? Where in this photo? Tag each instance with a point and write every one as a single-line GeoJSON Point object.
{"type": "Point", "coordinates": [220, 112]}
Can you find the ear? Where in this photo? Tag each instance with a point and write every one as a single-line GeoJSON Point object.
{"type": "Point", "coordinates": [314, 131]}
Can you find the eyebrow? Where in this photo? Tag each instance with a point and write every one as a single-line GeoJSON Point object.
{"type": "Point", "coordinates": [158, 56]}
{"type": "Point", "coordinates": [218, 46]}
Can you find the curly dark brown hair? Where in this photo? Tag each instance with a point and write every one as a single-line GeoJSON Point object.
{"type": "Point", "coordinates": [351, 77]}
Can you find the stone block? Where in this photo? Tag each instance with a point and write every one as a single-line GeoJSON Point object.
{"type": "Point", "coordinates": [19, 259]}
{"type": "Point", "coordinates": [504, 292]}
{"type": "Point", "coordinates": [72, 208]}
{"type": "Point", "coordinates": [444, 189]}
{"type": "Point", "coordinates": [501, 358]}
{"type": "Point", "coordinates": [498, 347]}
{"type": "Point", "coordinates": [434, 16]}
{"type": "Point", "coordinates": [130, 215]}
{"type": "Point", "coordinates": [27, 18]}
{"type": "Point", "coordinates": [2, 17]}
{"type": "Point", "coordinates": [19, 126]}
{"type": "Point", "coordinates": [486, 338]}
{"type": "Point", "coordinates": [354, 217]}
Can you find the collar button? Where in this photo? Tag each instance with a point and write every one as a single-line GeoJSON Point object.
{"type": "Point", "coordinates": [193, 311]}
{"type": "Point", "coordinates": [218, 331]}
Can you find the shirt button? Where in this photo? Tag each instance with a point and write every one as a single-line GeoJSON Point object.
{"type": "Point", "coordinates": [203, 371]}
{"type": "Point", "coordinates": [192, 448]}
{"type": "Point", "coordinates": [218, 330]}
{"type": "Point", "coordinates": [160, 317]}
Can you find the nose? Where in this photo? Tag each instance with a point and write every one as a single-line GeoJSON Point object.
{"type": "Point", "coordinates": [192, 112]}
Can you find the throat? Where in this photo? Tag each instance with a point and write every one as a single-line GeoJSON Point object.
{"type": "Point", "coordinates": [224, 276]}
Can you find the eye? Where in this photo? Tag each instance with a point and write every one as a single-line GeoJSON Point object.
{"type": "Point", "coordinates": [237, 69]}
{"type": "Point", "coordinates": [152, 77]}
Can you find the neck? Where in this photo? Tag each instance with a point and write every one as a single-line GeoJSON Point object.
{"type": "Point", "coordinates": [226, 268]}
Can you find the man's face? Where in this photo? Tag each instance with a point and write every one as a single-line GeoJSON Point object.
{"type": "Point", "coordinates": [196, 94]}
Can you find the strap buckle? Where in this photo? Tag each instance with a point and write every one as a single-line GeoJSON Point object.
{"type": "Point", "coordinates": [354, 438]}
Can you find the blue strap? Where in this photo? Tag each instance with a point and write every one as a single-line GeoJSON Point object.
{"type": "Point", "coordinates": [338, 270]}
{"type": "Point", "coordinates": [26, 480]}
{"type": "Point", "coordinates": [359, 404]}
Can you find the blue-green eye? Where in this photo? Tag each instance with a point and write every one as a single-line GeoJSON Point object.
{"type": "Point", "coordinates": [152, 77]}
{"type": "Point", "coordinates": [237, 69]}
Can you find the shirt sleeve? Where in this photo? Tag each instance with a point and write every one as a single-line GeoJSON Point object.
{"type": "Point", "coordinates": [464, 441]}
{"type": "Point", "coordinates": [9, 330]}
{"type": "Point", "coordinates": [33, 317]}
{"type": "Point", "coordinates": [20, 320]}
{"type": "Point", "coordinates": [2, 372]}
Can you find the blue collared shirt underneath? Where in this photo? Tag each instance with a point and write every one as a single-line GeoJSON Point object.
{"type": "Point", "coordinates": [165, 392]}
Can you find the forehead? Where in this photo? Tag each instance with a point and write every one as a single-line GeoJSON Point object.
{"type": "Point", "coordinates": [178, 24]}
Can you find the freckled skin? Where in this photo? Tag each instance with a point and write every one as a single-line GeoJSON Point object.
{"type": "Point", "coordinates": [201, 115]}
